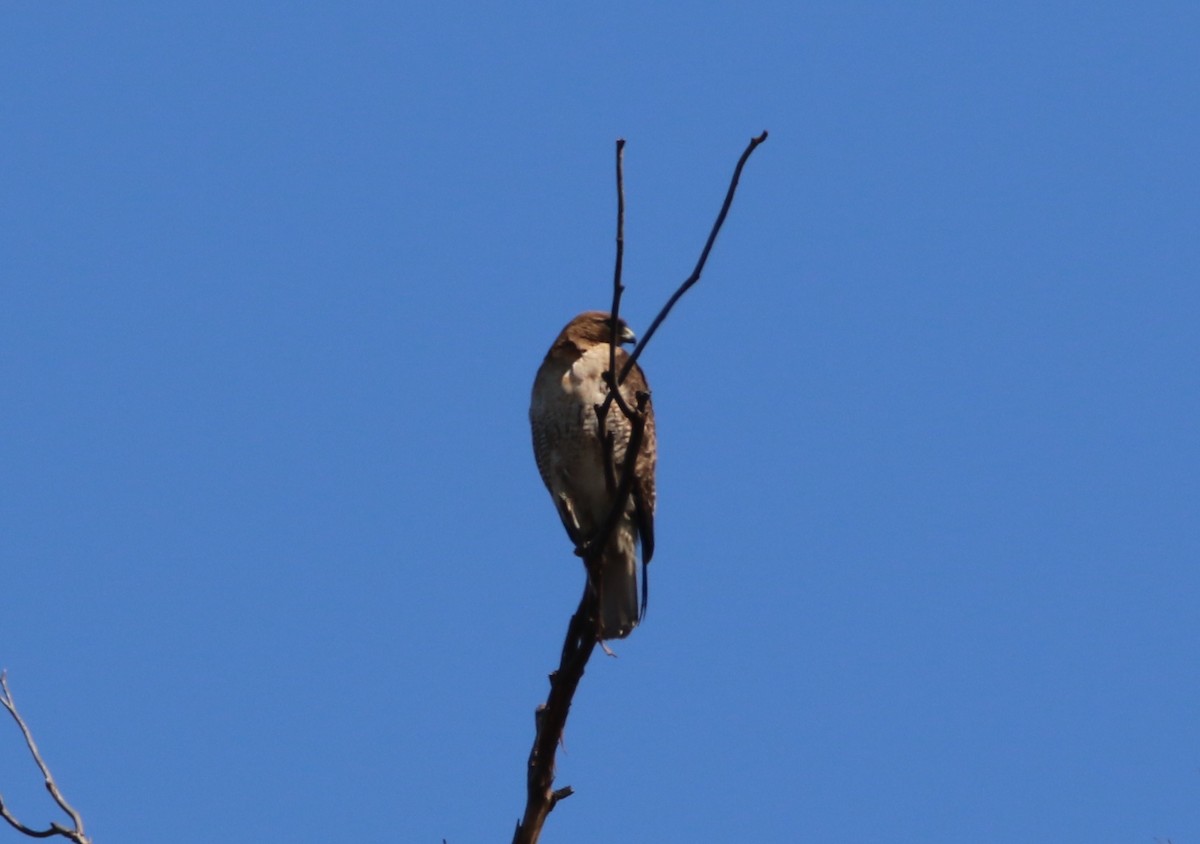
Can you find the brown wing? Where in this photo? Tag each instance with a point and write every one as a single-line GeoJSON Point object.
{"type": "Point", "coordinates": [643, 482]}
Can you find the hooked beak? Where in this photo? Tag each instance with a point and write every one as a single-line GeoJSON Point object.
{"type": "Point", "coordinates": [627, 336]}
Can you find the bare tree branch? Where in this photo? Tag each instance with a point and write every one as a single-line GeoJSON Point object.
{"type": "Point", "coordinates": [75, 834]}
{"type": "Point", "coordinates": [552, 718]}
{"type": "Point", "coordinates": [618, 287]}
{"type": "Point", "coordinates": [695, 276]}
{"type": "Point", "coordinates": [583, 630]}
{"type": "Point", "coordinates": [614, 315]}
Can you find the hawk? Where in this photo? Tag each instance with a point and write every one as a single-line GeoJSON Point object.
{"type": "Point", "coordinates": [570, 458]}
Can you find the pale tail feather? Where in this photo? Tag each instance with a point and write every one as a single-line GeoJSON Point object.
{"type": "Point", "coordinates": [619, 602]}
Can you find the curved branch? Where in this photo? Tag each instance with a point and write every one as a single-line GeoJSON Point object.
{"type": "Point", "coordinates": [695, 276]}
{"type": "Point", "coordinates": [75, 834]}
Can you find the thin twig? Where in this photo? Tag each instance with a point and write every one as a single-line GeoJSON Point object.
{"type": "Point", "coordinates": [614, 318]}
{"type": "Point", "coordinates": [75, 834]}
{"type": "Point", "coordinates": [695, 276]}
{"type": "Point", "coordinates": [618, 287]}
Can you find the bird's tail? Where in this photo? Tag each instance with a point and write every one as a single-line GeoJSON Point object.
{"type": "Point", "coordinates": [618, 593]}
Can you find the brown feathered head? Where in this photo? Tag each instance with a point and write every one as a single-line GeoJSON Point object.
{"type": "Point", "coordinates": [592, 327]}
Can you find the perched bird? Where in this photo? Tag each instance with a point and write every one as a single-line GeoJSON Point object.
{"type": "Point", "coordinates": [570, 458]}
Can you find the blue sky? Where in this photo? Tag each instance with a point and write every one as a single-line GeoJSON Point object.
{"type": "Point", "coordinates": [276, 557]}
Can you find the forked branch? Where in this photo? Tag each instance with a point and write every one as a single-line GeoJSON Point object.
{"type": "Point", "coordinates": [75, 833]}
{"type": "Point", "coordinates": [583, 630]}
{"type": "Point", "coordinates": [708, 245]}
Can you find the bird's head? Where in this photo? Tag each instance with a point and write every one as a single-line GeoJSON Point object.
{"type": "Point", "coordinates": [593, 327]}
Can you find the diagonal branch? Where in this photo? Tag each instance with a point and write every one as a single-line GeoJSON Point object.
{"type": "Point", "coordinates": [75, 834]}
{"type": "Point", "coordinates": [551, 719]}
{"type": "Point", "coordinates": [708, 245]}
